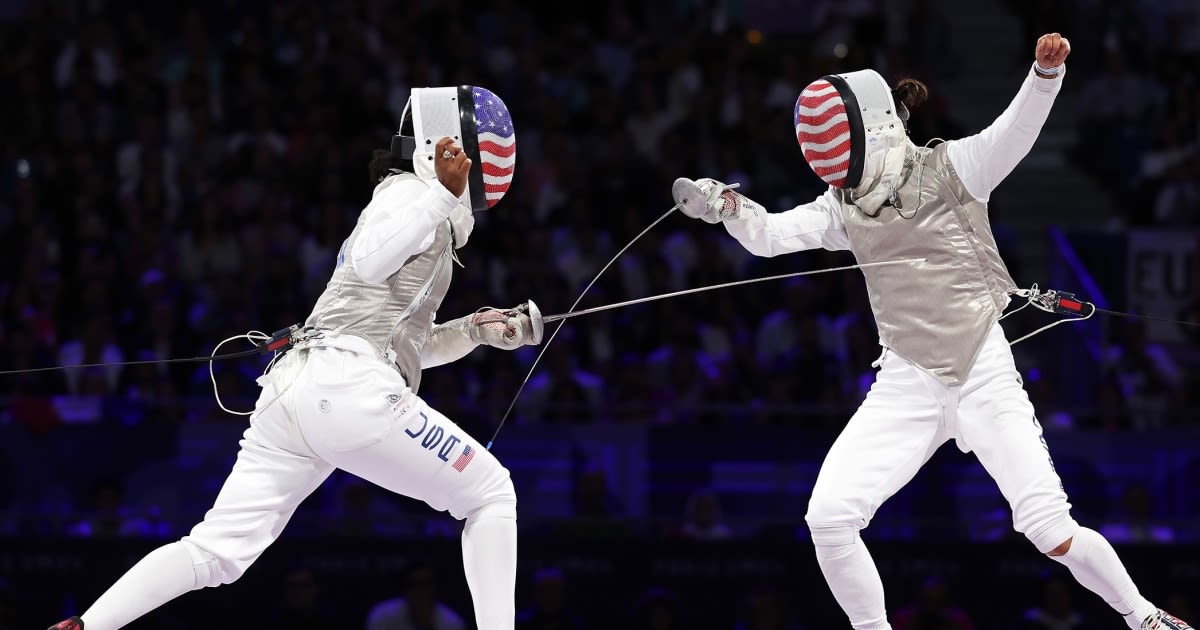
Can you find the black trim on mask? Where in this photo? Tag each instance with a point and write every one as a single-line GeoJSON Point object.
{"type": "Point", "coordinates": [858, 136]}
{"type": "Point", "coordinates": [470, 144]}
{"type": "Point", "coordinates": [404, 144]}
{"type": "Point", "coordinates": [403, 147]}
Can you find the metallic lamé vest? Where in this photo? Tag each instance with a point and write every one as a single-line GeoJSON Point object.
{"type": "Point", "coordinates": [935, 314]}
{"type": "Point", "coordinates": [396, 314]}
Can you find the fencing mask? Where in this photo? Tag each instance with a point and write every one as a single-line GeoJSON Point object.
{"type": "Point", "coordinates": [844, 122]}
{"type": "Point", "coordinates": [479, 122]}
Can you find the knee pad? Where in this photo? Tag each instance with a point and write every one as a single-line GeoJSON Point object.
{"type": "Point", "coordinates": [1050, 532]}
{"type": "Point", "coordinates": [210, 571]}
{"type": "Point", "coordinates": [833, 522]}
{"type": "Point", "coordinates": [833, 536]}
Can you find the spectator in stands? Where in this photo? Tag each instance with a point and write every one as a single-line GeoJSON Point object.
{"type": "Point", "coordinates": [597, 512]}
{"type": "Point", "coordinates": [97, 343]}
{"type": "Point", "coordinates": [109, 517]}
{"type": "Point", "coordinates": [659, 610]}
{"type": "Point", "coordinates": [563, 391]}
{"type": "Point", "coordinates": [23, 351]}
{"type": "Point", "coordinates": [418, 608]}
{"type": "Point", "coordinates": [1177, 204]}
{"type": "Point", "coordinates": [702, 517]}
{"type": "Point", "coordinates": [765, 609]}
{"type": "Point", "coordinates": [1146, 373]}
{"type": "Point", "coordinates": [1057, 609]}
{"type": "Point", "coordinates": [302, 607]}
{"type": "Point", "coordinates": [362, 510]}
{"type": "Point", "coordinates": [933, 610]}
{"type": "Point", "coordinates": [1138, 524]}
{"type": "Point", "coordinates": [550, 609]}
{"type": "Point", "coordinates": [1109, 411]}
{"type": "Point", "coordinates": [1114, 109]}
{"type": "Point", "coordinates": [593, 498]}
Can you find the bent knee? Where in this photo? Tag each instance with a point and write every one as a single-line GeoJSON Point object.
{"type": "Point", "coordinates": [1053, 534]}
{"type": "Point", "coordinates": [833, 514]}
{"type": "Point", "coordinates": [209, 569]}
{"type": "Point", "coordinates": [832, 536]}
{"type": "Point", "coordinates": [503, 495]}
{"type": "Point", "coordinates": [1062, 549]}
{"type": "Point", "coordinates": [499, 490]}
{"type": "Point", "coordinates": [499, 500]}
{"type": "Point", "coordinates": [831, 524]}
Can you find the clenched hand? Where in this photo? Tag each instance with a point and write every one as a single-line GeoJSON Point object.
{"type": "Point", "coordinates": [451, 165]}
{"type": "Point", "coordinates": [1052, 50]}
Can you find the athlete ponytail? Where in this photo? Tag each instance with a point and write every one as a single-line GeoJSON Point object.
{"type": "Point", "coordinates": [910, 92]}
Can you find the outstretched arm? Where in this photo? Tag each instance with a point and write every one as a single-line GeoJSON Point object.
{"type": "Point", "coordinates": [809, 226]}
{"type": "Point", "coordinates": [983, 160]}
{"type": "Point", "coordinates": [505, 329]}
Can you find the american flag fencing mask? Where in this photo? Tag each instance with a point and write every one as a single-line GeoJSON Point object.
{"type": "Point", "coordinates": [481, 124]}
{"type": "Point", "coordinates": [838, 118]}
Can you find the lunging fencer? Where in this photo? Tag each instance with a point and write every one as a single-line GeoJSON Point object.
{"type": "Point", "coordinates": [946, 370]}
{"type": "Point", "coordinates": [346, 396]}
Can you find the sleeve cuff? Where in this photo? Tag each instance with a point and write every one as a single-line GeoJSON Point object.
{"type": "Point", "coordinates": [1051, 84]}
{"type": "Point", "coordinates": [443, 200]}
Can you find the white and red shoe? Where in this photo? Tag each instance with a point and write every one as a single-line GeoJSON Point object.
{"type": "Point", "coordinates": [1162, 620]}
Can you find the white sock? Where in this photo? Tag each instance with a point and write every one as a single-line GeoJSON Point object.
{"type": "Point", "coordinates": [1095, 565]}
{"type": "Point", "coordinates": [489, 544]}
{"type": "Point", "coordinates": [852, 577]}
{"type": "Point", "coordinates": [163, 575]}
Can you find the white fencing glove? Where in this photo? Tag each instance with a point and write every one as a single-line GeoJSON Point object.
{"type": "Point", "coordinates": [506, 329]}
{"type": "Point", "coordinates": [707, 199]}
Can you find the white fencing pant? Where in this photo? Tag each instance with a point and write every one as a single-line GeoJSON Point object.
{"type": "Point", "coordinates": [329, 408]}
{"type": "Point", "coordinates": [906, 416]}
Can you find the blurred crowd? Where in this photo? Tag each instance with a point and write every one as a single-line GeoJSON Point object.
{"type": "Point", "coordinates": [175, 176]}
{"type": "Point", "coordinates": [178, 173]}
{"type": "Point", "coordinates": [1139, 104]}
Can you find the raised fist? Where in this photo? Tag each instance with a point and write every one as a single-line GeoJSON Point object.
{"type": "Point", "coordinates": [1051, 51]}
{"type": "Point", "coordinates": [452, 166]}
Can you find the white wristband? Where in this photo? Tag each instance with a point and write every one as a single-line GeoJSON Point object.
{"type": "Point", "coordinates": [1052, 72]}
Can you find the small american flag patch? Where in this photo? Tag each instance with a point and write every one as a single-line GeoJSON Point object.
{"type": "Point", "coordinates": [464, 459]}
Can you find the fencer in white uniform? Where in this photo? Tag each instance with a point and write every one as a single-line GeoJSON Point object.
{"type": "Point", "coordinates": [346, 396]}
{"type": "Point", "coordinates": [946, 371]}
